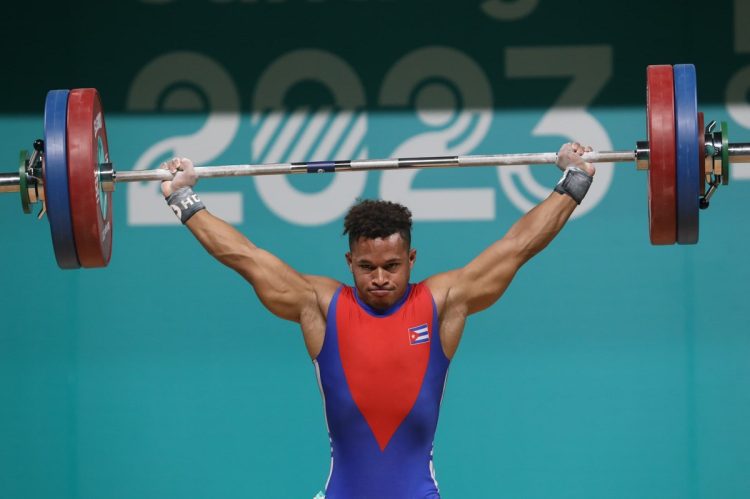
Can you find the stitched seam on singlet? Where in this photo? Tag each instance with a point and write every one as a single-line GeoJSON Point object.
{"type": "Point", "coordinates": [332, 307]}
{"type": "Point", "coordinates": [325, 416]}
{"type": "Point", "coordinates": [334, 303]}
{"type": "Point", "coordinates": [440, 406]}
{"type": "Point", "coordinates": [436, 320]}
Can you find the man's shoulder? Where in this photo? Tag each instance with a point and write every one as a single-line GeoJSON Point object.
{"type": "Point", "coordinates": [325, 288]}
{"type": "Point", "coordinates": [440, 284]}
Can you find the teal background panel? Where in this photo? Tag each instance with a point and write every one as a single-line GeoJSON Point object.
{"type": "Point", "coordinates": [610, 368]}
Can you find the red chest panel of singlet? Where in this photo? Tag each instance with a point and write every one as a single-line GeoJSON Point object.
{"type": "Point", "coordinates": [385, 358]}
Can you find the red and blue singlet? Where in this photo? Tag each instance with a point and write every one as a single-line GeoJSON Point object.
{"type": "Point", "coordinates": [382, 375]}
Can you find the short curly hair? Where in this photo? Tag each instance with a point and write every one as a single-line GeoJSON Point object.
{"type": "Point", "coordinates": [374, 218]}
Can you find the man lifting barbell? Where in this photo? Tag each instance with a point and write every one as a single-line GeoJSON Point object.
{"type": "Point", "coordinates": [381, 349]}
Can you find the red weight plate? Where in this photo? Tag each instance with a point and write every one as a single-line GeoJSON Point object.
{"type": "Point", "coordinates": [660, 112]}
{"type": "Point", "coordinates": [91, 208]}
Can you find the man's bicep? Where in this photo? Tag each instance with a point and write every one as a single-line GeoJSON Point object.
{"type": "Point", "coordinates": [282, 290]}
{"type": "Point", "coordinates": [441, 286]}
{"type": "Point", "coordinates": [324, 288]}
{"type": "Point", "coordinates": [483, 281]}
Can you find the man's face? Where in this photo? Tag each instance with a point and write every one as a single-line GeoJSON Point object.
{"type": "Point", "coordinates": [381, 268]}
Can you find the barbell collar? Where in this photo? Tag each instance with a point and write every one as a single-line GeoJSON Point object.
{"type": "Point", "coordinates": [107, 177]}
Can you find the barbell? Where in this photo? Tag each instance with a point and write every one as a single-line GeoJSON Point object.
{"type": "Point", "coordinates": [71, 174]}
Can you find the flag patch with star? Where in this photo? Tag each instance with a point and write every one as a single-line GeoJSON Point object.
{"type": "Point", "coordinates": [419, 334]}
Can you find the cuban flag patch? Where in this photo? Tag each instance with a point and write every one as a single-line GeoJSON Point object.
{"type": "Point", "coordinates": [419, 334]}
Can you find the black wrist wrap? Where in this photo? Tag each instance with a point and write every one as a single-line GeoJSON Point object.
{"type": "Point", "coordinates": [575, 183]}
{"type": "Point", "coordinates": [185, 203]}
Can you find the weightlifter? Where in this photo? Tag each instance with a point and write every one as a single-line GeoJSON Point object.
{"type": "Point", "coordinates": [381, 348]}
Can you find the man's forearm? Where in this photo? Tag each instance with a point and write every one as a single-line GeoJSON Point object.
{"type": "Point", "coordinates": [221, 240]}
{"type": "Point", "coordinates": [535, 230]}
{"type": "Point", "coordinates": [280, 288]}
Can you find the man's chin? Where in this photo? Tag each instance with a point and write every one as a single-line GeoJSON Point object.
{"type": "Point", "coordinates": [380, 300]}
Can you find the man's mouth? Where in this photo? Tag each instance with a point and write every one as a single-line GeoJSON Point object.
{"type": "Point", "coordinates": [380, 292]}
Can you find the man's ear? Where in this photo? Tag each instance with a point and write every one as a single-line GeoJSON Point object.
{"type": "Point", "coordinates": [349, 260]}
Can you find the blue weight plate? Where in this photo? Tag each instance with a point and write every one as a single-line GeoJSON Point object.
{"type": "Point", "coordinates": [688, 165]}
{"type": "Point", "coordinates": [56, 190]}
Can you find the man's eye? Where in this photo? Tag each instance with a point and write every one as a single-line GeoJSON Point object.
{"type": "Point", "coordinates": [391, 267]}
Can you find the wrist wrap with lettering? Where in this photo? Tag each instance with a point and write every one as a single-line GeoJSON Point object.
{"type": "Point", "coordinates": [185, 203]}
{"type": "Point", "coordinates": [575, 183]}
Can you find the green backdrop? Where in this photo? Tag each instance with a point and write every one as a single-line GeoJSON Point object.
{"type": "Point", "coordinates": [113, 386]}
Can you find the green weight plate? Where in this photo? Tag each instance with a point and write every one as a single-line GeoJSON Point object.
{"type": "Point", "coordinates": [22, 183]}
{"type": "Point", "coordinates": [724, 153]}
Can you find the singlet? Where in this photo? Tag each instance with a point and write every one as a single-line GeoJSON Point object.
{"type": "Point", "coordinates": [382, 375]}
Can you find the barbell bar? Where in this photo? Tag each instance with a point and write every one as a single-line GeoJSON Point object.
{"type": "Point", "coordinates": [71, 174]}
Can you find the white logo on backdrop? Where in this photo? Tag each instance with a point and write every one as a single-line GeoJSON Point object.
{"type": "Point", "coordinates": [589, 68]}
{"type": "Point", "coordinates": [449, 92]}
{"type": "Point", "coordinates": [184, 81]}
{"type": "Point", "coordinates": [309, 135]}
{"type": "Point", "coordinates": [738, 88]}
{"type": "Point", "coordinates": [509, 10]}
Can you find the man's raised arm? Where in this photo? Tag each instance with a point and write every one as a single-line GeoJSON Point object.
{"type": "Point", "coordinates": [479, 284]}
{"type": "Point", "coordinates": [282, 290]}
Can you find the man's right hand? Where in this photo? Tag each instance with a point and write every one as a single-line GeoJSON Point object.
{"type": "Point", "coordinates": [183, 173]}
{"type": "Point", "coordinates": [570, 155]}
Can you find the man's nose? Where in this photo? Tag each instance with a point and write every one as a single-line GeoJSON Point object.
{"type": "Point", "coordinates": [380, 277]}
